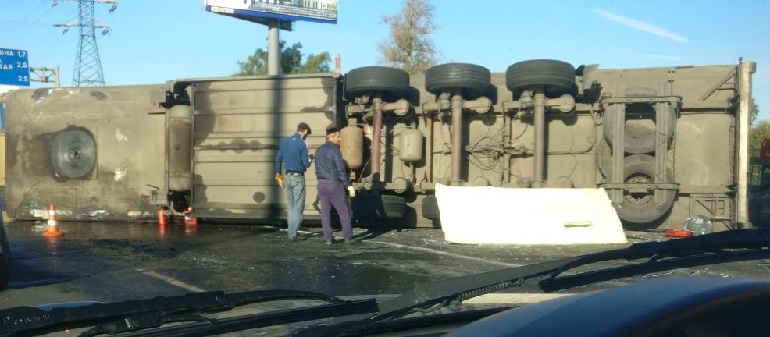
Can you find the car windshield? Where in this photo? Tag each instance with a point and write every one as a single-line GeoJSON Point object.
{"type": "Point", "coordinates": [358, 165]}
{"type": "Point", "coordinates": [471, 279]}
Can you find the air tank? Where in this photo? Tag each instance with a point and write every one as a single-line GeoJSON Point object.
{"type": "Point", "coordinates": [180, 148]}
{"type": "Point", "coordinates": [352, 146]}
{"type": "Point", "coordinates": [410, 145]}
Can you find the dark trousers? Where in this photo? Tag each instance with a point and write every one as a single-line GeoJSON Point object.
{"type": "Point", "coordinates": [332, 194]}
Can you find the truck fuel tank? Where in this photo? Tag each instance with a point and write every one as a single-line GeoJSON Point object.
{"type": "Point", "coordinates": [410, 145]}
{"type": "Point", "coordinates": [352, 146]}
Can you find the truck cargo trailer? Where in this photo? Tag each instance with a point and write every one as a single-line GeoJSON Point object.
{"type": "Point", "coordinates": [666, 144]}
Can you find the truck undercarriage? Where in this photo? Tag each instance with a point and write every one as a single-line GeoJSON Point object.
{"type": "Point", "coordinates": [666, 144]}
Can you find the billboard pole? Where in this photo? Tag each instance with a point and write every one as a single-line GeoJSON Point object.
{"type": "Point", "coordinates": [273, 48]}
{"type": "Point", "coordinates": [276, 15]}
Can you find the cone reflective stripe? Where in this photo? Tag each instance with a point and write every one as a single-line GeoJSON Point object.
{"type": "Point", "coordinates": [53, 223]}
{"type": "Point", "coordinates": [52, 215]}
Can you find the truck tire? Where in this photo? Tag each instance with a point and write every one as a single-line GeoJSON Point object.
{"type": "Point", "coordinates": [473, 80]}
{"type": "Point", "coordinates": [378, 207]}
{"type": "Point", "coordinates": [73, 153]}
{"type": "Point", "coordinates": [390, 82]}
{"type": "Point", "coordinates": [604, 158]}
{"type": "Point", "coordinates": [641, 209]}
{"type": "Point", "coordinates": [638, 139]}
{"type": "Point", "coordinates": [430, 208]}
{"type": "Point", "coordinates": [557, 77]}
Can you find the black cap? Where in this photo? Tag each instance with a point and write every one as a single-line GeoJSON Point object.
{"type": "Point", "coordinates": [303, 126]}
{"type": "Point", "coordinates": [332, 130]}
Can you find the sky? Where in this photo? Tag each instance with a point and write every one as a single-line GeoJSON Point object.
{"type": "Point", "coordinates": [154, 41]}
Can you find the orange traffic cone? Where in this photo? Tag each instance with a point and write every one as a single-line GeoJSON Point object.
{"type": "Point", "coordinates": [53, 223]}
{"type": "Point", "coordinates": [162, 217]}
{"type": "Point", "coordinates": [188, 219]}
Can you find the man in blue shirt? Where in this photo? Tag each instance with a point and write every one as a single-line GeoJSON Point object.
{"type": "Point", "coordinates": [332, 183]}
{"type": "Point", "coordinates": [293, 153]}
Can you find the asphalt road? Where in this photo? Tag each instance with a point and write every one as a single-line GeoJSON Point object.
{"type": "Point", "coordinates": [117, 261]}
{"type": "Point", "coordinates": [111, 262]}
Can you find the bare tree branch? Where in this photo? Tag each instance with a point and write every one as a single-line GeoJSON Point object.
{"type": "Point", "coordinates": [409, 46]}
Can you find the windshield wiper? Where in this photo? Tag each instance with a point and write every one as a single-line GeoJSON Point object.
{"type": "Point", "coordinates": [664, 255]}
{"type": "Point", "coordinates": [202, 326]}
{"type": "Point", "coordinates": [714, 248]}
{"type": "Point", "coordinates": [358, 317]}
{"type": "Point", "coordinates": [434, 295]}
{"type": "Point", "coordinates": [140, 314]}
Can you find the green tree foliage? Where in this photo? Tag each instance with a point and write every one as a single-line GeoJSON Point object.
{"type": "Point", "coordinates": [757, 134]}
{"type": "Point", "coordinates": [409, 47]}
{"type": "Point", "coordinates": [759, 130]}
{"type": "Point", "coordinates": [291, 62]}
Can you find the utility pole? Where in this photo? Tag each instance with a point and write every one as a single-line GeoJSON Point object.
{"type": "Point", "coordinates": [88, 66]}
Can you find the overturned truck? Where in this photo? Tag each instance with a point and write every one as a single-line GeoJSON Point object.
{"type": "Point", "coordinates": [666, 144]}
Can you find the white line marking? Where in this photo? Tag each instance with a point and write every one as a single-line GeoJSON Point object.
{"type": "Point", "coordinates": [171, 280]}
{"type": "Point", "coordinates": [423, 249]}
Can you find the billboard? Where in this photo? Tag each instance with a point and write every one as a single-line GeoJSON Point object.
{"type": "Point", "coordinates": [264, 11]}
{"type": "Point", "coordinates": [14, 67]}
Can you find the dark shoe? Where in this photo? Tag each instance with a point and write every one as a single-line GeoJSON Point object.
{"type": "Point", "coordinates": [294, 239]}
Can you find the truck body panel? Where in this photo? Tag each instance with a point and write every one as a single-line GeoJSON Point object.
{"type": "Point", "coordinates": [211, 144]}
{"type": "Point", "coordinates": [238, 126]}
{"type": "Point", "coordinates": [128, 154]}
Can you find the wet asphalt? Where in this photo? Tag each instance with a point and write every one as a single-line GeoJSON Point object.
{"type": "Point", "coordinates": [233, 258]}
{"type": "Point", "coordinates": [120, 261]}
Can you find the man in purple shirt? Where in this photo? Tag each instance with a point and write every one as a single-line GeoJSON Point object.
{"type": "Point", "coordinates": [332, 183]}
{"type": "Point", "coordinates": [293, 153]}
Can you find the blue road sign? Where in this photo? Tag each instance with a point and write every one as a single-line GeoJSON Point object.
{"type": "Point", "coordinates": [14, 67]}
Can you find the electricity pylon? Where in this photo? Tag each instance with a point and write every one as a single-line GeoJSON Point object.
{"type": "Point", "coordinates": [88, 66]}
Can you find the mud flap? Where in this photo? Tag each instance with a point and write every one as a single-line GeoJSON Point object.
{"type": "Point", "coordinates": [483, 214]}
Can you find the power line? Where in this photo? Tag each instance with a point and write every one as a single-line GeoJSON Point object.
{"type": "Point", "coordinates": [88, 66]}
{"type": "Point", "coordinates": [12, 34]}
{"type": "Point", "coordinates": [24, 23]}
{"type": "Point", "coordinates": [51, 49]}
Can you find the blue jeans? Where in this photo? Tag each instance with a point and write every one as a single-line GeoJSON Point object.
{"type": "Point", "coordinates": [295, 189]}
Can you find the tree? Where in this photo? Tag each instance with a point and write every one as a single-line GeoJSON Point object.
{"type": "Point", "coordinates": [759, 131]}
{"type": "Point", "coordinates": [291, 62]}
{"type": "Point", "coordinates": [409, 47]}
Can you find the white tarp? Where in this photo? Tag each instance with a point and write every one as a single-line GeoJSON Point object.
{"type": "Point", "coordinates": [482, 214]}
